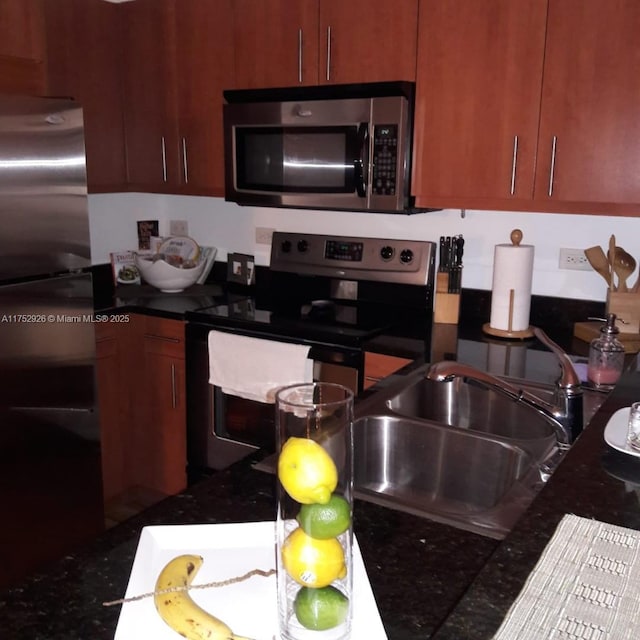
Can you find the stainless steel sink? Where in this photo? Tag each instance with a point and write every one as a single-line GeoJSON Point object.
{"type": "Point", "coordinates": [461, 478]}
{"type": "Point", "coordinates": [456, 451]}
{"type": "Point", "coordinates": [468, 405]}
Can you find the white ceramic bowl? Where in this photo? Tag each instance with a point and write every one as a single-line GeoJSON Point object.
{"type": "Point", "coordinates": [166, 277]}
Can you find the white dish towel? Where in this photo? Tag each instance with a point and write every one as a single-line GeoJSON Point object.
{"type": "Point", "coordinates": [255, 369]}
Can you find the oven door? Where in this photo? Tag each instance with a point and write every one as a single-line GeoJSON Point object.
{"type": "Point", "coordinates": [223, 428]}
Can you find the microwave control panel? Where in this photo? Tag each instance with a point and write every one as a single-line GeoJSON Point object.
{"type": "Point", "coordinates": [385, 159]}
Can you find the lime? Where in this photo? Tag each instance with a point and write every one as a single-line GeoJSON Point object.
{"type": "Point", "coordinates": [306, 471]}
{"type": "Point", "coordinates": [311, 562]}
{"type": "Point", "coordinates": [324, 521]}
{"type": "Point", "coordinates": [321, 609]}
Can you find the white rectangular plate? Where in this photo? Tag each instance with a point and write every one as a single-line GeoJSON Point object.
{"type": "Point", "coordinates": [229, 550]}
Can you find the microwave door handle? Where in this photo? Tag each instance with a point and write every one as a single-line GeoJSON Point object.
{"type": "Point", "coordinates": [362, 160]}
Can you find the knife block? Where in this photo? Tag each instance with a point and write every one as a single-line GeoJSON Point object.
{"type": "Point", "coordinates": [447, 305]}
{"type": "Point", "coordinates": [626, 306]}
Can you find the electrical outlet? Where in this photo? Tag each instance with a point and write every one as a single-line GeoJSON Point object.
{"type": "Point", "coordinates": [178, 228]}
{"type": "Point", "coordinates": [574, 259]}
{"type": "Point", "coordinates": [264, 235]}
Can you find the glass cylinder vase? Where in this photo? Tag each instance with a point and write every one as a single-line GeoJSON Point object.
{"type": "Point", "coordinates": [315, 511]}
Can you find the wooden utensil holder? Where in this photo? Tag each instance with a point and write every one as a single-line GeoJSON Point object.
{"type": "Point", "coordinates": [446, 305]}
{"type": "Point", "coordinates": [626, 306]}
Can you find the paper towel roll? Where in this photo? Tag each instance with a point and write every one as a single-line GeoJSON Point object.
{"type": "Point", "coordinates": [511, 288]}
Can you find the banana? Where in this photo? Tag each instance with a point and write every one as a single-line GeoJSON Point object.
{"type": "Point", "coordinates": [177, 608]}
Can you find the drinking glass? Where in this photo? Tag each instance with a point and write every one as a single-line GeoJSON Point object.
{"type": "Point", "coordinates": [315, 511]}
{"type": "Point", "coordinates": [633, 433]}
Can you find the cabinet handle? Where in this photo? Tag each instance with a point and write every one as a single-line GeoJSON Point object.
{"type": "Point", "coordinates": [300, 56]}
{"type": "Point", "coordinates": [185, 166]}
{"type": "Point", "coordinates": [174, 402]}
{"type": "Point", "coordinates": [514, 163]}
{"type": "Point", "coordinates": [154, 336]}
{"type": "Point", "coordinates": [164, 160]}
{"type": "Point", "coordinates": [552, 170]}
{"type": "Point", "coordinates": [328, 53]}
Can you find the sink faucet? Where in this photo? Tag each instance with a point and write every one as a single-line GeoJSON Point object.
{"type": "Point", "coordinates": [566, 410]}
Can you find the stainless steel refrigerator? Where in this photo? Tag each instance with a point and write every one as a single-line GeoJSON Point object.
{"type": "Point", "coordinates": [50, 479]}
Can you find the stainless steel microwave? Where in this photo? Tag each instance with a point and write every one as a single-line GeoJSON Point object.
{"type": "Point", "coordinates": [344, 147]}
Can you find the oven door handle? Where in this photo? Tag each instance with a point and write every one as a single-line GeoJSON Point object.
{"type": "Point", "coordinates": [362, 160]}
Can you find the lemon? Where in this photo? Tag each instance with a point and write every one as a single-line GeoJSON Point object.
{"type": "Point", "coordinates": [311, 562]}
{"type": "Point", "coordinates": [324, 521]}
{"type": "Point", "coordinates": [320, 609]}
{"type": "Point", "coordinates": [306, 471]}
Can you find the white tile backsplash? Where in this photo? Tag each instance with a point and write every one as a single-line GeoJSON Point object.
{"type": "Point", "coordinates": [229, 227]}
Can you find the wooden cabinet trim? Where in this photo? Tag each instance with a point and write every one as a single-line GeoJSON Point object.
{"type": "Point", "coordinates": [378, 366]}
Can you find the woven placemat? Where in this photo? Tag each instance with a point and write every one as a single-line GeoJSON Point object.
{"type": "Point", "coordinates": [586, 586]}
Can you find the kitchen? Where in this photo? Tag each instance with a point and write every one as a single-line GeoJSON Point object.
{"type": "Point", "coordinates": [230, 228]}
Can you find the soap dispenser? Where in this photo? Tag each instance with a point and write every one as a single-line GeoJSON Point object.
{"type": "Point", "coordinates": [606, 356]}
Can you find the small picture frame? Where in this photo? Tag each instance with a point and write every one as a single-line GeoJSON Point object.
{"type": "Point", "coordinates": [146, 230]}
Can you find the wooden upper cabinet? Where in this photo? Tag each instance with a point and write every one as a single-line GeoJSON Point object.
{"type": "Point", "coordinates": [204, 46]}
{"type": "Point", "coordinates": [83, 62]}
{"type": "Point", "coordinates": [477, 104]}
{"type": "Point", "coordinates": [179, 58]}
{"type": "Point", "coordinates": [22, 29]}
{"type": "Point", "coordinates": [22, 47]}
{"type": "Point", "coordinates": [591, 103]}
{"type": "Point", "coordinates": [150, 95]}
{"type": "Point", "coordinates": [275, 42]}
{"type": "Point", "coordinates": [367, 40]}
{"type": "Point", "coordinates": [308, 42]}
{"type": "Point", "coordinates": [528, 106]}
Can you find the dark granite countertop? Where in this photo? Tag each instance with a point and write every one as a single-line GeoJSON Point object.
{"type": "Point", "coordinates": [430, 580]}
{"type": "Point", "coordinates": [594, 481]}
{"type": "Point", "coordinates": [418, 569]}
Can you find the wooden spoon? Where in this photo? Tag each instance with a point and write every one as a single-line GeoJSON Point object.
{"type": "Point", "coordinates": [611, 256]}
{"type": "Point", "coordinates": [624, 265]}
{"type": "Point", "coordinates": [597, 259]}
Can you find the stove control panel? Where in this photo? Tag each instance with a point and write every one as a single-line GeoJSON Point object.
{"type": "Point", "coordinates": [352, 258]}
{"type": "Point", "coordinates": [343, 250]}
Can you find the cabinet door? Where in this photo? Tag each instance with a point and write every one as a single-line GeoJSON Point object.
{"type": "Point", "coordinates": [477, 104]}
{"type": "Point", "coordinates": [590, 103]}
{"type": "Point", "coordinates": [160, 442]}
{"type": "Point", "coordinates": [165, 432]}
{"type": "Point", "coordinates": [22, 43]}
{"type": "Point", "coordinates": [149, 95]}
{"type": "Point", "coordinates": [367, 40]}
{"type": "Point", "coordinates": [204, 44]}
{"type": "Point", "coordinates": [113, 347]}
{"type": "Point", "coordinates": [378, 366]}
{"type": "Point", "coordinates": [83, 61]}
{"type": "Point", "coordinates": [22, 29]}
{"type": "Point", "coordinates": [276, 42]}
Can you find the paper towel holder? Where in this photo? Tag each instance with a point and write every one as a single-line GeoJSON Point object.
{"type": "Point", "coordinates": [521, 334]}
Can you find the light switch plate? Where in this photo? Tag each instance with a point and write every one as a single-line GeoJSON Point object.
{"type": "Point", "coordinates": [178, 228]}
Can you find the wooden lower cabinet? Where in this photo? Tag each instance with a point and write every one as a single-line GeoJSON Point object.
{"type": "Point", "coordinates": [141, 395]}
{"type": "Point", "coordinates": [378, 366]}
{"type": "Point", "coordinates": [113, 406]}
{"type": "Point", "coordinates": [159, 453]}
